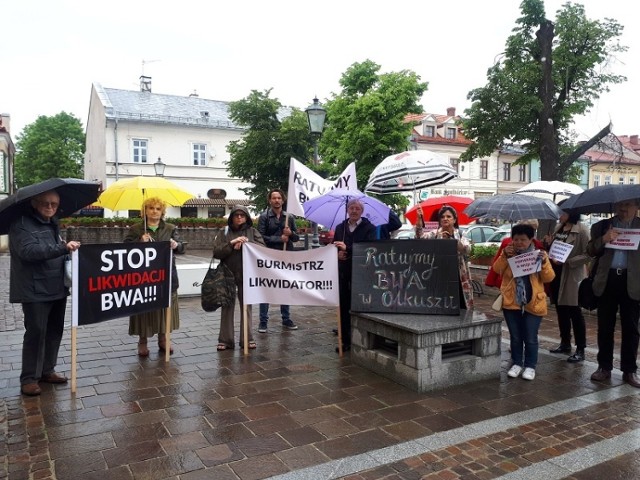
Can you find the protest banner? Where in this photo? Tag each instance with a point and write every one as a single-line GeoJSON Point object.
{"type": "Point", "coordinates": [627, 239]}
{"type": "Point", "coordinates": [408, 276]}
{"type": "Point", "coordinates": [560, 251]}
{"type": "Point", "coordinates": [305, 277]}
{"type": "Point", "coordinates": [525, 264]}
{"type": "Point", "coordinates": [304, 184]}
{"type": "Point", "coordinates": [117, 280]}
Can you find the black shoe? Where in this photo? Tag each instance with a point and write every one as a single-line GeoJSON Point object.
{"type": "Point", "coordinates": [335, 331]}
{"type": "Point", "coordinates": [561, 349]}
{"type": "Point", "coordinates": [601, 375]}
{"type": "Point", "coordinates": [577, 357]}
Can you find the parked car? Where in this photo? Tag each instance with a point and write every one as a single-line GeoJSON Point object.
{"type": "Point", "coordinates": [405, 234]}
{"type": "Point", "coordinates": [325, 237]}
{"type": "Point", "coordinates": [495, 239]}
{"type": "Point", "coordinates": [477, 233]}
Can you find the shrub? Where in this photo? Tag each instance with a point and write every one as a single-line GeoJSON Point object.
{"type": "Point", "coordinates": [483, 251]}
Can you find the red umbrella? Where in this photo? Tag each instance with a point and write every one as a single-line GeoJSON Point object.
{"type": "Point", "coordinates": [431, 206]}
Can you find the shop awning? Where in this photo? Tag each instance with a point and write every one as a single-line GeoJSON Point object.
{"type": "Point", "coordinates": [215, 202]}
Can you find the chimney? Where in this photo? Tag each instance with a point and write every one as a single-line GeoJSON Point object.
{"type": "Point", "coordinates": [451, 112]}
{"type": "Point", "coordinates": [633, 139]}
{"type": "Point", "coordinates": [145, 83]}
{"type": "Point", "coordinates": [5, 121]}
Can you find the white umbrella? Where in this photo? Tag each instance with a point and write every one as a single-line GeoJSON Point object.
{"type": "Point", "coordinates": [552, 188]}
{"type": "Point", "coordinates": [410, 171]}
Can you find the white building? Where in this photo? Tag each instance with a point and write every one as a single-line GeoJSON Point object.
{"type": "Point", "coordinates": [496, 174]}
{"type": "Point", "coordinates": [129, 131]}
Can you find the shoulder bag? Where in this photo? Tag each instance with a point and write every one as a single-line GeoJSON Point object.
{"type": "Point", "coordinates": [586, 298]}
{"type": "Point", "coordinates": [218, 288]}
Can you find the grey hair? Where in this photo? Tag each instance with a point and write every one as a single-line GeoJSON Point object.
{"type": "Point", "coordinates": [355, 201]}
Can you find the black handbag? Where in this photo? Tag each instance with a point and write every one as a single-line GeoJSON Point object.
{"type": "Point", "coordinates": [218, 288]}
{"type": "Point", "coordinates": [586, 298]}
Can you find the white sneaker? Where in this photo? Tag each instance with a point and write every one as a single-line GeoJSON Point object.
{"type": "Point", "coordinates": [529, 374]}
{"type": "Point", "coordinates": [514, 371]}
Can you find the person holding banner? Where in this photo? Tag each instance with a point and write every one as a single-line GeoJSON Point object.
{"type": "Point", "coordinates": [227, 247]}
{"type": "Point", "coordinates": [448, 229]}
{"type": "Point", "coordinates": [354, 229]}
{"type": "Point", "coordinates": [278, 229]}
{"type": "Point", "coordinates": [147, 324]}
{"type": "Point", "coordinates": [524, 301]}
{"type": "Point", "coordinates": [571, 235]}
{"type": "Point", "coordinates": [617, 283]}
{"type": "Point", "coordinates": [37, 282]}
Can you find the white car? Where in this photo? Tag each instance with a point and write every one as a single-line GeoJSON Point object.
{"type": "Point", "coordinates": [495, 239]}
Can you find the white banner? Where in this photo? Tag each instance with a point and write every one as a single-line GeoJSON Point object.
{"type": "Point", "coordinates": [304, 277]}
{"type": "Point", "coordinates": [304, 184]}
{"type": "Point", "coordinates": [525, 264]}
{"type": "Point", "coordinates": [627, 239]}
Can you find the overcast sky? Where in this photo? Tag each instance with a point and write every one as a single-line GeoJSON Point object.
{"type": "Point", "coordinates": [54, 50]}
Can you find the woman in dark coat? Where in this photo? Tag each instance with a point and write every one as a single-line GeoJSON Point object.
{"type": "Point", "coordinates": [227, 247]}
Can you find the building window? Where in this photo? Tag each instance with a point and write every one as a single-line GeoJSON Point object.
{"type": "Point", "coordinates": [455, 163]}
{"type": "Point", "coordinates": [596, 180]}
{"type": "Point", "coordinates": [506, 172]}
{"type": "Point", "coordinates": [140, 148]}
{"type": "Point", "coordinates": [450, 133]}
{"type": "Point", "coordinates": [607, 179]}
{"type": "Point", "coordinates": [621, 181]}
{"type": "Point", "coordinates": [522, 173]}
{"type": "Point", "coordinates": [632, 180]}
{"type": "Point", "coordinates": [199, 154]}
{"type": "Point", "coordinates": [484, 169]}
{"type": "Point", "coordinates": [429, 131]}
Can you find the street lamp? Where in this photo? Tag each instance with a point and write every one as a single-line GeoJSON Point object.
{"type": "Point", "coordinates": [316, 116]}
{"type": "Point", "coordinates": [159, 167]}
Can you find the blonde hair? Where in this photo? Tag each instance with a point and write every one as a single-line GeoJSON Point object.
{"type": "Point", "coordinates": [151, 202]}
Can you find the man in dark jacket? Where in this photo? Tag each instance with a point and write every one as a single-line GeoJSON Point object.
{"type": "Point", "coordinates": [354, 229]}
{"type": "Point", "coordinates": [383, 232]}
{"type": "Point", "coordinates": [278, 230]}
{"type": "Point", "coordinates": [37, 282]}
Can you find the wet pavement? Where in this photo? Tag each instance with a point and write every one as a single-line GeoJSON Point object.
{"type": "Point", "coordinates": [293, 409]}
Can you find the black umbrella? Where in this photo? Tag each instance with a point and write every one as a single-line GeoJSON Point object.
{"type": "Point", "coordinates": [601, 199]}
{"type": "Point", "coordinates": [74, 194]}
{"type": "Point", "coordinates": [512, 207]}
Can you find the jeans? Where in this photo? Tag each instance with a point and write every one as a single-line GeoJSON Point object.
{"type": "Point", "coordinates": [264, 312]}
{"type": "Point", "coordinates": [44, 325]}
{"type": "Point", "coordinates": [523, 330]}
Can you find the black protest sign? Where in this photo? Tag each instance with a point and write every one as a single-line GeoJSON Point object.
{"type": "Point", "coordinates": [406, 276]}
{"type": "Point", "coordinates": [118, 280]}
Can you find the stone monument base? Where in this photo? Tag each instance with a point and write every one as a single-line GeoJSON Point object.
{"type": "Point", "coordinates": [428, 352]}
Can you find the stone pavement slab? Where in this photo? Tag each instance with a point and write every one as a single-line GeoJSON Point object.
{"type": "Point", "coordinates": [294, 409]}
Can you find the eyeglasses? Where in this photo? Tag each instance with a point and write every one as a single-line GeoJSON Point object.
{"type": "Point", "coordinates": [49, 204]}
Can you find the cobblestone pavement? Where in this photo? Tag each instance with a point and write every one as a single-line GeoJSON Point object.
{"type": "Point", "coordinates": [293, 409]}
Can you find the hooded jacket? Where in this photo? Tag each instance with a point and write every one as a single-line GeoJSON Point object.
{"type": "Point", "coordinates": [222, 248]}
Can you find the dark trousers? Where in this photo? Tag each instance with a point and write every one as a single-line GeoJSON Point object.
{"type": "Point", "coordinates": [44, 325]}
{"type": "Point", "coordinates": [615, 295]}
{"type": "Point", "coordinates": [345, 309]}
{"type": "Point", "coordinates": [568, 316]}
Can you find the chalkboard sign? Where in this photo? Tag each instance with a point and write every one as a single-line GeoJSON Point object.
{"type": "Point", "coordinates": [406, 276]}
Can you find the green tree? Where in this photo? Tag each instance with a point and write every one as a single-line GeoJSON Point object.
{"type": "Point", "coordinates": [365, 121]}
{"type": "Point", "coordinates": [48, 148]}
{"type": "Point", "coordinates": [549, 73]}
{"type": "Point", "coordinates": [274, 135]}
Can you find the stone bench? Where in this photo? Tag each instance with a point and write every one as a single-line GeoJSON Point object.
{"type": "Point", "coordinates": [428, 352]}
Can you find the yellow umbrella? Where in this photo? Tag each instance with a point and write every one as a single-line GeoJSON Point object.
{"type": "Point", "coordinates": [130, 193]}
